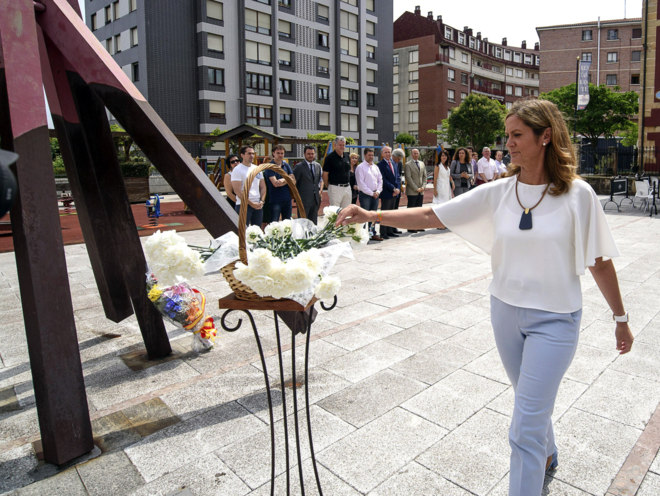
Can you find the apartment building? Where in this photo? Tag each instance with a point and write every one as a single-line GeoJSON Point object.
{"type": "Point", "coordinates": [291, 67]}
{"type": "Point", "coordinates": [613, 47]}
{"type": "Point", "coordinates": [436, 66]}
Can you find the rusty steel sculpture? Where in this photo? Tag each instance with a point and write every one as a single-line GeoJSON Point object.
{"type": "Point", "coordinates": [46, 44]}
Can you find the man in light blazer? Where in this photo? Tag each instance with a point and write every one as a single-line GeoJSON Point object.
{"type": "Point", "coordinates": [415, 174]}
{"type": "Point", "coordinates": [309, 181]}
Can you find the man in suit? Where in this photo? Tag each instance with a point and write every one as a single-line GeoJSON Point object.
{"type": "Point", "coordinates": [309, 181]}
{"type": "Point", "coordinates": [391, 187]}
{"type": "Point", "coordinates": [415, 181]}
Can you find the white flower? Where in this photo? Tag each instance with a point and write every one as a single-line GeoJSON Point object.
{"type": "Point", "coordinates": [253, 233]}
{"type": "Point", "coordinates": [299, 276]}
{"type": "Point", "coordinates": [274, 229]}
{"type": "Point", "coordinates": [327, 288]}
{"type": "Point", "coordinates": [311, 259]}
{"type": "Point", "coordinates": [287, 227]}
{"type": "Point", "coordinates": [261, 260]}
{"type": "Point", "coordinates": [170, 259]}
{"type": "Point", "coordinates": [330, 213]}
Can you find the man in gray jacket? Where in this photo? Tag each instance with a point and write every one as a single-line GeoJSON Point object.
{"type": "Point", "coordinates": [309, 181]}
{"type": "Point", "coordinates": [415, 181]}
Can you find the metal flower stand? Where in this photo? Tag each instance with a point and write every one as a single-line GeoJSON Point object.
{"type": "Point", "coordinates": [303, 325]}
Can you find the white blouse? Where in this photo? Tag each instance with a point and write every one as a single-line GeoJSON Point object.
{"type": "Point", "coordinates": [537, 268]}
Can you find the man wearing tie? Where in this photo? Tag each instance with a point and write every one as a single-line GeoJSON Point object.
{"type": "Point", "coordinates": [391, 187]}
{"type": "Point", "coordinates": [415, 181]}
{"type": "Point", "coordinates": [309, 181]}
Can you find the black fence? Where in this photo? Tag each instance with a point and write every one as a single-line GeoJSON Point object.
{"type": "Point", "coordinates": [611, 158]}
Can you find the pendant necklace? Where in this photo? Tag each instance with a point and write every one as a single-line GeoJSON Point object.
{"type": "Point", "coordinates": [526, 217]}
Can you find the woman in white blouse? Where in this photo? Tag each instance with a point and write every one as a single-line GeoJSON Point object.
{"type": "Point", "coordinates": [543, 226]}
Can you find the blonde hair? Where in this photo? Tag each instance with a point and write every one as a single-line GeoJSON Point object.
{"type": "Point", "coordinates": [559, 161]}
{"type": "Point", "coordinates": [354, 155]}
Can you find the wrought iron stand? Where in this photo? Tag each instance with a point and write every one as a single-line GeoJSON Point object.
{"type": "Point", "coordinates": [304, 324]}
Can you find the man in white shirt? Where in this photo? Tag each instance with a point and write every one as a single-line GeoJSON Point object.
{"type": "Point", "coordinates": [486, 168]}
{"type": "Point", "coordinates": [370, 183]}
{"type": "Point", "coordinates": [257, 193]}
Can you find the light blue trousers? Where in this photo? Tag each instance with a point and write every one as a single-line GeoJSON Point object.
{"type": "Point", "coordinates": [536, 348]}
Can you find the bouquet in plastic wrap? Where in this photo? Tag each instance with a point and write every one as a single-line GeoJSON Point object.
{"type": "Point", "coordinates": [171, 264]}
{"type": "Point", "coordinates": [290, 259]}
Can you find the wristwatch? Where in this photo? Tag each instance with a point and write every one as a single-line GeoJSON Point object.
{"type": "Point", "coordinates": [620, 318]}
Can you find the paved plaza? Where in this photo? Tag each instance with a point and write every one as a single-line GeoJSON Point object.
{"type": "Point", "coordinates": [408, 396]}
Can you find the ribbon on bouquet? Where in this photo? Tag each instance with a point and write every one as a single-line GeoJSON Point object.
{"type": "Point", "coordinates": [196, 313]}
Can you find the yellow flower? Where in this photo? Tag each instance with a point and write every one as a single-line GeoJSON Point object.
{"type": "Point", "coordinates": [154, 293]}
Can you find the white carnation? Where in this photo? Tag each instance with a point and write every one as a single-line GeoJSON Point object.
{"type": "Point", "coordinates": [310, 259]}
{"type": "Point", "coordinates": [261, 260]}
{"type": "Point", "coordinates": [298, 276]}
{"type": "Point", "coordinates": [327, 288]}
{"type": "Point", "coordinates": [170, 259]}
{"type": "Point", "coordinates": [274, 230]}
{"type": "Point", "coordinates": [253, 233]}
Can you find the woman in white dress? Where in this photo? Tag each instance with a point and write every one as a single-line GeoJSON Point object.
{"type": "Point", "coordinates": [443, 184]}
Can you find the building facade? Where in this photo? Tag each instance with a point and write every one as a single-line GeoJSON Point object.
{"type": "Point", "coordinates": [614, 49]}
{"type": "Point", "coordinates": [291, 67]}
{"type": "Point", "coordinates": [436, 66]}
{"type": "Point", "coordinates": [649, 115]}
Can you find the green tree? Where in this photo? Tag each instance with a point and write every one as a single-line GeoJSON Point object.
{"type": "Point", "coordinates": [405, 139]}
{"type": "Point", "coordinates": [442, 134]}
{"type": "Point", "coordinates": [477, 121]}
{"type": "Point", "coordinates": [608, 112]}
{"type": "Point", "coordinates": [321, 147]}
{"type": "Point", "coordinates": [56, 156]}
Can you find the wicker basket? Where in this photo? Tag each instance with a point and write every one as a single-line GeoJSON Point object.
{"type": "Point", "coordinates": [242, 291]}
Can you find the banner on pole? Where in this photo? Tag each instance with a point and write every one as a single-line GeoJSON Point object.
{"type": "Point", "coordinates": [583, 85]}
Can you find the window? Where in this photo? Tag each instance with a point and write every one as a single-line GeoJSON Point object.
{"type": "Point", "coordinates": [413, 96]}
{"type": "Point", "coordinates": [528, 59]}
{"type": "Point", "coordinates": [395, 59]}
{"type": "Point", "coordinates": [413, 117]}
{"type": "Point", "coordinates": [108, 46]}
{"type": "Point", "coordinates": [133, 5]}
{"type": "Point", "coordinates": [612, 34]}
{"type": "Point", "coordinates": [461, 38]}
{"type": "Point", "coordinates": [371, 28]}
{"type": "Point", "coordinates": [471, 41]}
{"type": "Point", "coordinates": [117, 43]}
{"type": "Point", "coordinates": [324, 119]}
{"type": "Point", "coordinates": [216, 109]}
{"type": "Point", "coordinates": [636, 33]}
{"type": "Point", "coordinates": [215, 42]}
{"type": "Point", "coordinates": [371, 5]}
{"type": "Point", "coordinates": [284, 3]}
{"type": "Point", "coordinates": [260, 115]}
{"type": "Point", "coordinates": [413, 56]}
{"type": "Point", "coordinates": [516, 57]}
{"type": "Point", "coordinates": [395, 118]}
{"type": "Point", "coordinates": [108, 15]}
{"type": "Point", "coordinates": [371, 99]}
{"type": "Point", "coordinates": [349, 71]}
{"type": "Point", "coordinates": [612, 56]}
{"type": "Point", "coordinates": [413, 76]}
{"type": "Point", "coordinates": [586, 35]}
{"type": "Point", "coordinates": [286, 115]}
{"type": "Point", "coordinates": [518, 91]}
{"type": "Point", "coordinates": [371, 52]}
{"type": "Point", "coordinates": [350, 2]}
{"type": "Point", "coordinates": [284, 57]}
{"type": "Point", "coordinates": [636, 56]}
{"type": "Point", "coordinates": [285, 87]}
{"type": "Point", "coordinates": [451, 95]}
{"type": "Point", "coordinates": [509, 89]}
{"type": "Point", "coordinates": [464, 57]}
{"type": "Point", "coordinates": [323, 92]}
{"type": "Point", "coordinates": [464, 78]}
{"type": "Point", "coordinates": [258, 84]}
{"type": "Point", "coordinates": [257, 22]}
{"type": "Point", "coordinates": [323, 39]}
{"type": "Point", "coordinates": [348, 21]}
{"type": "Point", "coordinates": [371, 76]}
{"type": "Point", "coordinates": [323, 12]}
{"type": "Point", "coordinates": [216, 76]}
{"type": "Point", "coordinates": [94, 26]}
{"type": "Point", "coordinates": [610, 80]}
{"type": "Point", "coordinates": [463, 96]}
{"type": "Point", "coordinates": [451, 52]}
{"type": "Point", "coordinates": [349, 122]}
{"type": "Point", "coordinates": [349, 97]}
{"type": "Point", "coordinates": [135, 72]}
{"type": "Point", "coordinates": [371, 122]}
{"type": "Point", "coordinates": [396, 98]}
{"type": "Point", "coordinates": [449, 34]}
{"type": "Point", "coordinates": [498, 52]}
{"type": "Point", "coordinates": [134, 37]}
{"type": "Point", "coordinates": [509, 71]}
{"type": "Point", "coordinates": [395, 79]}
{"type": "Point", "coordinates": [451, 75]}
{"type": "Point", "coordinates": [258, 53]}
{"type": "Point", "coordinates": [115, 10]}
{"type": "Point", "coordinates": [634, 79]}
{"type": "Point", "coordinates": [586, 56]}
{"type": "Point", "coordinates": [323, 66]}
{"type": "Point", "coordinates": [267, 2]}
{"type": "Point", "coordinates": [348, 46]}
{"type": "Point", "coordinates": [519, 73]}
{"type": "Point", "coordinates": [214, 9]}
{"type": "Point", "coordinates": [284, 28]}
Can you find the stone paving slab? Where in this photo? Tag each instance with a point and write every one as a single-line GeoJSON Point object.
{"type": "Point", "coordinates": [407, 392]}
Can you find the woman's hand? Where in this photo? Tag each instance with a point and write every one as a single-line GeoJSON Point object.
{"type": "Point", "coordinates": [352, 215]}
{"type": "Point", "coordinates": [624, 337]}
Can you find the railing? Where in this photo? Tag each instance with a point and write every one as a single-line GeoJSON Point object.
{"type": "Point", "coordinates": [617, 159]}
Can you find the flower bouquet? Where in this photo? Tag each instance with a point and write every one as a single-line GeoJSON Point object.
{"type": "Point", "coordinates": [171, 263]}
{"type": "Point", "coordinates": [289, 259]}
